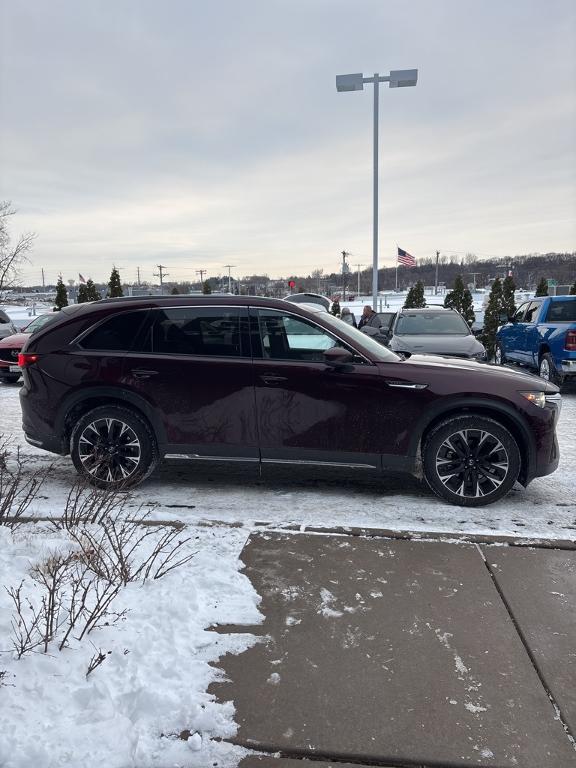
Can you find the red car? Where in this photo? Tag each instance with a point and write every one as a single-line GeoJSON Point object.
{"type": "Point", "coordinates": [11, 346]}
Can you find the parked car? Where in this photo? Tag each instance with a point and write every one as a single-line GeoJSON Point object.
{"type": "Point", "coordinates": [7, 327]}
{"type": "Point", "coordinates": [542, 337]}
{"type": "Point", "coordinates": [434, 331]}
{"type": "Point", "coordinates": [10, 347]}
{"type": "Point", "coordinates": [309, 298]}
{"type": "Point", "coordinates": [121, 383]}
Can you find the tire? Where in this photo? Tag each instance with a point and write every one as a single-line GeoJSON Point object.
{"type": "Point", "coordinates": [499, 356]}
{"type": "Point", "coordinates": [113, 447]}
{"type": "Point", "coordinates": [547, 370]}
{"type": "Point", "coordinates": [471, 460]}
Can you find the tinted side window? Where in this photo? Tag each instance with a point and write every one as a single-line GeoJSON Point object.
{"type": "Point", "coordinates": [203, 331]}
{"type": "Point", "coordinates": [562, 311]}
{"type": "Point", "coordinates": [285, 337]}
{"type": "Point", "coordinates": [116, 334]}
{"type": "Point", "coordinates": [520, 312]}
{"type": "Point", "coordinates": [532, 312]}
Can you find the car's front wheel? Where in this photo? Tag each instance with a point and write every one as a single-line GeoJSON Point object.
{"type": "Point", "coordinates": [113, 447]}
{"type": "Point", "coordinates": [471, 460]}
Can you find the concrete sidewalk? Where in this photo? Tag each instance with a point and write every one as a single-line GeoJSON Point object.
{"type": "Point", "coordinates": [406, 653]}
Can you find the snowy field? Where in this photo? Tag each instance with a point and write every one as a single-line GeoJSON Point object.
{"type": "Point", "coordinates": [159, 656]}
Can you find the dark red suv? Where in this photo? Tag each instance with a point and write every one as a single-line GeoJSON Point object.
{"type": "Point", "coordinates": [120, 383]}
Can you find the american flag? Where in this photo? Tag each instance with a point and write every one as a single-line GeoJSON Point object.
{"type": "Point", "coordinates": [81, 278]}
{"type": "Point", "coordinates": [406, 259]}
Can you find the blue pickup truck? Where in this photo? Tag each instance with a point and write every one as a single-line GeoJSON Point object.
{"type": "Point", "coordinates": [541, 335]}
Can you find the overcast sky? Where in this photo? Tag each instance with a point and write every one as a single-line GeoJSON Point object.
{"type": "Point", "coordinates": [194, 135]}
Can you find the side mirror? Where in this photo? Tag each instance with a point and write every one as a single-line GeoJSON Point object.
{"type": "Point", "coordinates": [337, 356]}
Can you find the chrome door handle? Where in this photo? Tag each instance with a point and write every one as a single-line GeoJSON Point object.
{"type": "Point", "coordinates": [143, 373]}
{"type": "Point", "coordinates": [272, 379]}
{"type": "Point", "coordinates": [404, 385]}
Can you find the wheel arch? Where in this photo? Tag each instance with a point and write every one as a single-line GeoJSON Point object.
{"type": "Point", "coordinates": [500, 412]}
{"type": "Point", "coordinates": [79, 403]}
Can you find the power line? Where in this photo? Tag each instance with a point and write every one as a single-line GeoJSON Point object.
{"type": "Point", "coordinates": [161, 274]}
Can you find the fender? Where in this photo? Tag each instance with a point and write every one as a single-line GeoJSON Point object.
{"type": "Point", "coordinates": [458, 406]}
{"type": "Point", "coordinates": [120, 394]}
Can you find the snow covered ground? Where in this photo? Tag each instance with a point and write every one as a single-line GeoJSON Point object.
{"type": "Point", "coordinates": [160, 656]}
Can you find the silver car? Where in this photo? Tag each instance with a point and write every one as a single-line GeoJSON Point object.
{"type": "Point", "coordinates": [436, 332]}
{"type": "Point", "coordinates": [7, 327]}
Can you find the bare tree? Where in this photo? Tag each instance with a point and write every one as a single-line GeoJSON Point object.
{"type": "Point", "coordinates": [12, 257]}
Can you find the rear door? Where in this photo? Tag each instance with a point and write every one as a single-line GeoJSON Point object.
{"type": "Point", "coordinates": [531, 340]}
{"type": "Point", "coordinates": [193, 365]}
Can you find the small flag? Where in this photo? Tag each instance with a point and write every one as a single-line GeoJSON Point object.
{"type": "Point", "coordinates": [81, 277]}
{"type": "Point", "coordinates": [406, 259]}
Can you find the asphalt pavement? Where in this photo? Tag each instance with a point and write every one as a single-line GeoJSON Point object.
{"type": "Point", "coordinates": [380, 651]}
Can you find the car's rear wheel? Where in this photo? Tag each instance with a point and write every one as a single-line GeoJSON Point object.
{"type": "Point", "coordinates": [499, 357]}
{"type": "Point", "coordinates": [113, 447]}
{"type": "Point", "coordinates": [547, 369]}
{"type": "Point", "coordinates": [471, 460]}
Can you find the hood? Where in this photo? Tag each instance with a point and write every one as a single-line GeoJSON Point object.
{"type": "Point", "coordinates": [15, 340]}
{"type": "Point", "coordinates": [437, 345]}
{"type": "Point", "coordinates": [523, 379]}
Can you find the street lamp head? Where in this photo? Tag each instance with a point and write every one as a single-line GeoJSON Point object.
{"type": "Point", "coordinates": [353, 82]}
{"type": "Point", "coordinates": [401, 78]}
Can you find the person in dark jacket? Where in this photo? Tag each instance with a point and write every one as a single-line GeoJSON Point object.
{"type": "Point", "coordinates": [369, 317]}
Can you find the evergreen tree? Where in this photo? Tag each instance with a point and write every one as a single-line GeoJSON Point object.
{"type": "Point", "coordinates": [61, 295]}
{"type": "Point", "coordinates": [81, 298]}
{"type": "Point", "coordinates": [92, 293]}
{"type": "Point", "coordinates": [460, 299]}
{"type": "Point", "coordinates": [206, 287]}
{"type": "Point", "coordinates": [335, 309]}
{"type": "Point", "coordinates": [455, 297]}
{"type": "Point", "coordinates": [415, 298]}
{"type": "Point", "coordinates": [508, 303]}
{"type": "Point", "coordinates": [492, 318]}
{"type": "Point", "coordinates": [114, 284]}
{"type": "Point", "coordinates": [573, 289]}
{"type": "Point", "coordinates": [542, 288]}
{"type": "Point", "coordinates": [174, 291]}
{"type": "Point", "coordinates": [467, 309]}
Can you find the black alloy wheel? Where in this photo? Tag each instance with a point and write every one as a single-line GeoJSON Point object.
{"type": "Point", "coordinates": [113, 447]}
{"type": "Point", "coordinates": [471, 460]}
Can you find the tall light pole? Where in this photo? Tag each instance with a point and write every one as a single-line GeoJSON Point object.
{"type": "Point", "coordinates": [400, 78]}
{"type": "Point", "coordinates": [229, 267]}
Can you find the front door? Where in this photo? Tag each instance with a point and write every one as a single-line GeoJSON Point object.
{"type": "Point", "coordinates": [307, 411]}
{"type": "Point", "coordinates": [193, 365]}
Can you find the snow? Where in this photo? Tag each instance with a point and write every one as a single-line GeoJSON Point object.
{"type": "Point", "coordinates": [161, 657]}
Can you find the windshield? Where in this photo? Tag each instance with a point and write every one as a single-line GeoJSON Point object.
{"type": "Point", "coordinates": [431, 324]}
{"type": "Point", "coordinates": [377, 350]}
{"type": "Point", "coordinates": [38, 322]}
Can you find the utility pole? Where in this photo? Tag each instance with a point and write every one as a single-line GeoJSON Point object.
{"type": "Point", "coordinates": [138, 270]}
{"type": "Point", "coordinates": [474, 275]}
{"type": "Point", "coordinates": [161, 274]}
{"type": "Point", "coordinates": [345, 255]}
{"type": "Point", "coordinates": [358, 268]}
{"type": "Point", "coordinates": [201, 272]}
{"type": "Point", "coordinates": [436, 278]}
{"type": "Point", "coordinates": [43, 282]}
{"type": "Point", "coordinates": [229, 267]}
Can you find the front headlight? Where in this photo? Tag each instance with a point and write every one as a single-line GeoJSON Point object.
{"type": "Point", "coordinates": [538, 398]}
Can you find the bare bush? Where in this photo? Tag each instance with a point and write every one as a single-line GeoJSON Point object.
{"type": "Point", "coordinates": [78, 586]}
{"type": "Point", "coordinates": [17, 489]}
